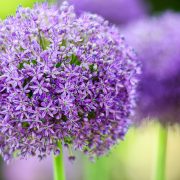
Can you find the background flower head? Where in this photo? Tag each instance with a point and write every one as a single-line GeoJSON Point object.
{"type": "Point", "coordinates": [157, 42]}
{"type": "Point", "coordinates": [116, 11]}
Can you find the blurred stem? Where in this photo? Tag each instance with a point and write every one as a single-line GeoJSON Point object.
{"type": "Point", "coordinates": [59, 173]}
{"type": "Point", "coordinates": [1, 168]}
{"type": "Point", "coordinates": [160, 171]}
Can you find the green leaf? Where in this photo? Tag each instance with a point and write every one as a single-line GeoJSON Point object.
{"type": "Point", "coordinates": [21, 65]}
{"type": "Point", "coordinates": [25, 124]}
{"type": "Point", "coordinates": [63, 43]}
{"type": "Point", "coordinates": [21, 49]}
{"type": "Point", "coordinates": [34, 62]}
{"type": "Point", "coordinates": [44, 43]}
{"type": "Point", "coordinates": [58, 65]}
{"type": "Point", "coordinates": [30, 94]}
{"type": "Point", "coordinates": [93, 68]}
{"type": "Point", "coordinates": [75, 60]}
{"type": "Point", "coordinates": [91, 115]}
{"type": "Point", "coordinates": [68, 140]}
{"type": "Point", "coordinates": [27, 80]}
{"type": "Point", "coordinates": [64, 118]}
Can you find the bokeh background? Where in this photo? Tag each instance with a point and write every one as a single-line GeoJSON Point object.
{"type": "Point", "coordinates": [132, 159]}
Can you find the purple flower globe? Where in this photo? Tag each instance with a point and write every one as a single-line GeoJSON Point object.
{"type": "Point", "coordinates": [157, 42]}
{"type": "Point", "coordinates": [63, 78]}
{"type": "Point", "coordinates": [116, 11]}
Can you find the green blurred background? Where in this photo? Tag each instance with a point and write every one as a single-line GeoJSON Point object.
{"type": "Point", "coordinates": [8, 7]}
{"type": "Point", "coordinates": [161, 5]}
{"type": "Point", "coordinates": [135, 158]}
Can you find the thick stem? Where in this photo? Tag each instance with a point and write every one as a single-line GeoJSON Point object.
{"type": "Point", "coordinates": [59, 173]}
{"type": "Point", "coordinates": [160, 171]}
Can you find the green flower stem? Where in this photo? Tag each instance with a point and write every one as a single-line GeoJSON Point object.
{"type": "Point", "coordinates": [160, 171]}
{"type": "Point", "coordinates": [59, 173]}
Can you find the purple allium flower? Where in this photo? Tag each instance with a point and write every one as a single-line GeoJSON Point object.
{"type": "Point", "coordinates": [63, 78]}
{"type": "Point", "coordinates": [116, 11]}
{"type": "Point", "coordinates": [157, 42]}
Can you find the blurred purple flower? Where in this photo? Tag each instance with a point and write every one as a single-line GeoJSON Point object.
{"type": "Point", "coordinates": [63, 78]}
{"type": "Point", "coordinates": [157, 42]}
{"type": "Point", "coordinates": [31, 169]}
{"type": "Point", "coordinates": [115, 11]}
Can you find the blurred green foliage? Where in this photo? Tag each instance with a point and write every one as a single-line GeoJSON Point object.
{"type": "Point", "coordinates": [8, 7]}
{"type": "Point", "coordinates": [162, 5]}
{"type": "Point", "coordinates": [135, 157]}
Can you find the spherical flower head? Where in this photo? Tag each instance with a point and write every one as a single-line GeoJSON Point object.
{"type": "Point", "coordinates": [63, 78]}
{"type": "Point", "coordinates": [116, 11]}
{"type": "Point", "coordinates": [157, 42]}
